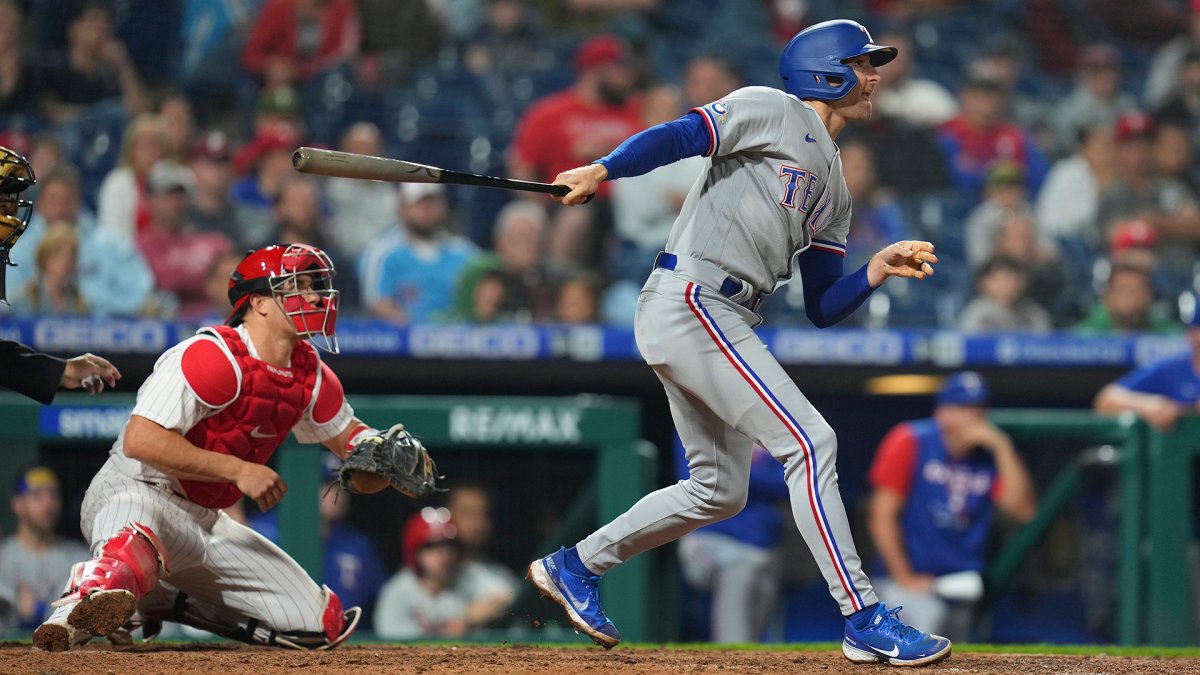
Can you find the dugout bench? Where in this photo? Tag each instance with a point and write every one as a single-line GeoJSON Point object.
{"type": "Point", "coordinates": [625, 467]}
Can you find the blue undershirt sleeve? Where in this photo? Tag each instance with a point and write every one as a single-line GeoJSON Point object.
{"type": "Point", "coordinates": [657, 146]}
{"type": "Point", "coordinates": [830, 297]}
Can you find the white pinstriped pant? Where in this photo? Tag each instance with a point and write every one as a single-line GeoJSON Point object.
{"type": "Point", "coordinates": [726, 393]}
{"type": "Point", "coordinates": [227, 570]}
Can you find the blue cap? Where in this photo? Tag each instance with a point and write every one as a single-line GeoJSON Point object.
{"type": "Point", "coordinates": [966, 388]}
{"type": "Point", "coordinates": [35, 478]}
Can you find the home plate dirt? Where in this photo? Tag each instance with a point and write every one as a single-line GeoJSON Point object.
{"type": "Point", "coordinates": [213, 658]}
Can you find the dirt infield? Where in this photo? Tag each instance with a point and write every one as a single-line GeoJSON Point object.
{"type": "Point", "coordinates": [213, 658]}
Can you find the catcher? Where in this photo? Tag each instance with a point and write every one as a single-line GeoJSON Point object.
{"type": "Point", "coordinates": [204, 425]}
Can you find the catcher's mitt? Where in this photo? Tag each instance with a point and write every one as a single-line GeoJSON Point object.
{"type": "Point", "coordinates": [395, 455]}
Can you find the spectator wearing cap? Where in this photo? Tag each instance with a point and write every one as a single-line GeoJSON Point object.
{"type": "Point", "coordinates": [179, 255]}
{"type": "Point", "coordinates": [1161, 391]}
{"type": "Point", "coordinates": [1127, 306]}
{"type": "Point", "coordinates": [264, 164]}
{"type": "Point", "coordinates": [1004, 193]}
{"type": "Point", "coordinates": [981, 135]}
{"type": "Point", "coordinates": [1001, 302]}
{"type": "Point", "coordinates": [351, 566]}
{"type": "Point", "coordinates": [434, 595]}
{"type": "Point", "coordinates": [294, 40]}
{"type": "Point", "coordinates": [1133, 242]}
{"type": "Point", "coordinates": [211, 207]}
{"type": "Point", "coordinates": [121, 205]}
{"type": "Point", "coordinates": [1138, 192]}
{"type": "Point", "coordinates": [1097, 96]}
{"type": "Point", "coordinates": [34, 560]}
{"type": "Point", "coordinates": [576, 126]}
{"type": "Point", "coordinates": [413, 280]}
{"type": "Point", "coordinates": [113, 277]}
{"type": "Point", "coordinates": [279, 106]}
{"type": "Point", "coordinates": [361, 210]}
{"type": "Point", "coordinates": [936, 485]}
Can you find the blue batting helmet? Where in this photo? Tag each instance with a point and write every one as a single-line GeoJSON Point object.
{"type": "Point", "coordinates": [813, 64]}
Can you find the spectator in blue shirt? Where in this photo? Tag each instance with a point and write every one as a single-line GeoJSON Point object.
{"type": "Point", "coordinates": [114, 279]}
{"type": "Point", "coordinates": [415, 278]}
{"type": "Point", "coordinates": [1162, 391]}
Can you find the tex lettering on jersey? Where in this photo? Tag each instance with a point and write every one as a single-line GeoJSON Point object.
{"type": "Point", "coordinates": [798, 187]}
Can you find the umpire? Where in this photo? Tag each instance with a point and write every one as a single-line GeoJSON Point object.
{"type": "Point", "coordinates": [22, 369]}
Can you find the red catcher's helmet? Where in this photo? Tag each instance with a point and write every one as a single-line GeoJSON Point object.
{"type": "Point", "coordinates": [430, 526]}
{"type": "Point", "coordinates": [300, 278]}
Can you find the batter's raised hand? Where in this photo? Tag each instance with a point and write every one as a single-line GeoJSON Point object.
{"type": "Point", "coordinates": [583, 181]}
{"type": "Point", "coordinates": [901, 259]}
{"type": "Point", "coordinates": [261, 484]}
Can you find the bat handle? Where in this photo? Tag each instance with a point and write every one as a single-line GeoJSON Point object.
{"type": "Point", "coordinates": [561, 191]}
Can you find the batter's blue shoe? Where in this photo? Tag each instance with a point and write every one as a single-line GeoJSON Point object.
{"type": "Point", "coordinates": [580, 596]}
{"type": "Point", "coordinates": [890, 640]}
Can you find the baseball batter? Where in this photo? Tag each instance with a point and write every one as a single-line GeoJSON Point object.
{"type": "Point", "coordinates": [205, 423]}
{"type": "Point", "coordinates": [771, 200]}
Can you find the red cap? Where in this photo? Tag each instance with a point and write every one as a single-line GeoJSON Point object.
{"type": "Point", "coordinates": [279, 136]}
{"type": "Point", "coordinates": [1132, 233]}
{"type": "Point", "coordinates": [599, 51]}
{"type": "Point", "coordinates": [213, 146]}
{"type": "Point", "coordinates": [1133, 125]}
{"type": "Point", "coordinates": [429, 526]}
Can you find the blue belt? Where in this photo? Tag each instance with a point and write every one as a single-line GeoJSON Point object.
{"type": "Point", "coordinates": [730, 287]}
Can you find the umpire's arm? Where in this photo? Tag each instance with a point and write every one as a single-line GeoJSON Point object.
{"type": "Point", "coordinates": [29, 372]}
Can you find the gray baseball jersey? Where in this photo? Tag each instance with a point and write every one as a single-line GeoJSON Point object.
{"type": "Point", "coordinates": [773, 188]}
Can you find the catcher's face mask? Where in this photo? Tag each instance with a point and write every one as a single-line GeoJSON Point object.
{"type": "Point", "coordinates": [300, 278]}
{"type": "Point", "coordinates": [16, 176]}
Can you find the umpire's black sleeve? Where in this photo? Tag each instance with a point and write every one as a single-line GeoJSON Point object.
{"type": "Point", "coordinates": [29, 372]}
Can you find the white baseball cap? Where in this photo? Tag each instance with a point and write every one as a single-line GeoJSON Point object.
{"type": "Point", "coordinates": [412, 193]}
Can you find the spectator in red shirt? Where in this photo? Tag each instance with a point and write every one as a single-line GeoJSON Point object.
{"type": "Point", "coordinates": [573, 127]}
{"type": "Point", "coordinates": [179, 255]}
{"type": "Point", "coordinates": [294, 40]}
{"type": "Point", "coordinates": [580, 124]}
{"type": "Point", "coordinates": [981, 136]}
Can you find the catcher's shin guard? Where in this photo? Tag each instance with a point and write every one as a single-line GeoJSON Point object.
{"type": "Point", "coordinates": [102, 593]}
{"type": "Point", "coordinates": [131, 560]}
{"type": "Point", "coordinates": [336, 624]}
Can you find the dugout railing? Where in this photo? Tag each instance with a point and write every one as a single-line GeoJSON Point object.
{"type": "Point", "coordinates": [610, 428]}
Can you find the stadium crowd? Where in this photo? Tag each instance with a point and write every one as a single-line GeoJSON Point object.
{"type": "Point", "coordinates": [1046, 148]}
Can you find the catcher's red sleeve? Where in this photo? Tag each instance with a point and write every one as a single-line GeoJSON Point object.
{"type": "Point", "coordinates": [330, 396]}
{"type": "Point", "coordinates": [893, 465]}
{"type": "Point", "coordinates": [209, 373]}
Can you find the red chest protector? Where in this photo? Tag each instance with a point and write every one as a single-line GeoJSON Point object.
{"type": "Point", "coordinates": [268, 404]}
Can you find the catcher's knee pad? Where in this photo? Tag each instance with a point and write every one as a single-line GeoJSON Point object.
{"type": "Point", "coordinates": [131, 560]}
{"type": "Point", "coordinates": [336, 626]}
